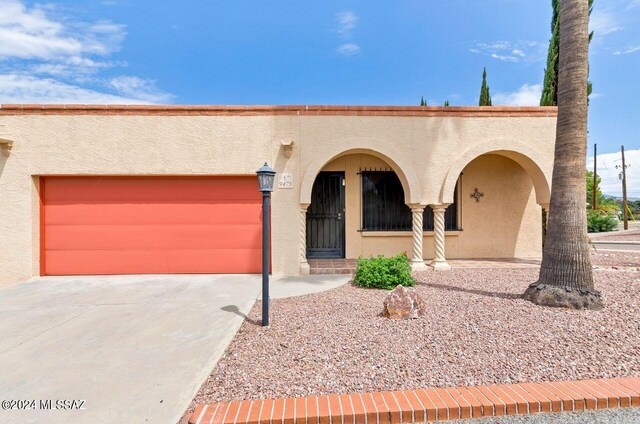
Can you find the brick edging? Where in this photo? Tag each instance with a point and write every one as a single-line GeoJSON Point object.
{"type": "Point", "coordinates": [433, 404]}
{"type": "Point", "coordinates": [302, 110]}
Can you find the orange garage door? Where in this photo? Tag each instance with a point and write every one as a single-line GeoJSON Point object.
{"type": "Point", "coordinates": [140, 225]}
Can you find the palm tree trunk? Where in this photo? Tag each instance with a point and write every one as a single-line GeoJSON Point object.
{"type": "Point", "coordinates": [566, 278]}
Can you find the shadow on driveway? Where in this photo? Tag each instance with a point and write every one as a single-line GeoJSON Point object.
{"type": "Point", "coordinates": [234, 310]}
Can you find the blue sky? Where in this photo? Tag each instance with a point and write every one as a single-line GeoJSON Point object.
{"type": "Point", "coordinates": [331, 52]}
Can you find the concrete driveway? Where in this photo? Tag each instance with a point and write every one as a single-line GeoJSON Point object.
{"type": "Point", "coordinates": [134, 349]}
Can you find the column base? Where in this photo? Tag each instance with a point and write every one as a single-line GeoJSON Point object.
{"type": "Point", "coordinates": [418, 266]}
{"type": "Point", "coordinates": [305, 269]}
{"type": "Point", "coordinates": [440, 265]}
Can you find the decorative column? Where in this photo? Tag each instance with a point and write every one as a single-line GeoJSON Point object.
{"type": "Point", "coordinates": [439, 262]}
{"type": "Point", "coordinates": [304, 265]}
{"type": "Point", "coordinates": [417, 261]}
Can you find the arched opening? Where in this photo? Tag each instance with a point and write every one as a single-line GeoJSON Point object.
{"type": "Point", "coordinates": [500, 192]}
{"type": "Point", "coordinates": [403, 169]}
{"type": "Point", "coordinates": [528, 160]}
{"type": "Point", "coordinates": [352, 196]}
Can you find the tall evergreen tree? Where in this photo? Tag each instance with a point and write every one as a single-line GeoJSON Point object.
{"type": "Point", "coordinates": [485, 96]}
{"type": "Point", "coordinates": [423, 102]}
{"type": "Point", "coordinates": [550, 86]}
{"type": "Point", "coordinates": [446, 103]}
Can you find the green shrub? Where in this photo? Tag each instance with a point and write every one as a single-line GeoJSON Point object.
{"type": "Point", "coordinates": [598, 222]}
{"type": "Point", "coordinates": [384, 273]}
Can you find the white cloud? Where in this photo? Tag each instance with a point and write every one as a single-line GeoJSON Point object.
{"type": "Point", "coordinates": [527, 95]}
{"type": "Point", "coordinates": [139, 88]}
{"type": "Point", "coordinates": [507, 51]}
{"type": "Point", "coordinates": [505, 58]}
{"type": "Point", "coordinates": [30, 89]}
{"type": "Point", "coordinates": [603, 23]}
{"type": "Point", "coordinates": [348, 49]}
{"type": "Point", "coordinates": [610, 175]}
{"type": "Point", "coordinates": [59, 55]}
{"type": "Point", "coordinates": [628, 50]}
{"type": "Point", "coordinates": [31, 34]}
{"type": "Point", "coordinates": [347, 22]}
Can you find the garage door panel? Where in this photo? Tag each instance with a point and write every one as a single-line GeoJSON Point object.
{"type": "Point", "coordinates": [153, 213]}
{"type": "Point", "coordinates": [133, 225]}
{"type": "Point", "coordinates": [98, 190]}
{"type": "Point", "coordinates": [152, 237]}
{"type": "Point", "coordinates": [213, 261]}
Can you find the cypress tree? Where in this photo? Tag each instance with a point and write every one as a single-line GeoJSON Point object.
{"type": "Point", "coordinates": [485, 96]}
{"type": "Point", "coordinates": [446, 103]}
{"type": "Point", "coordinates": [423, 102]}
{"type": "Point", "coordinates": [550, 85]}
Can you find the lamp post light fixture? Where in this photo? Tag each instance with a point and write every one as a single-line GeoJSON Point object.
{"type": "Point", "coordinates": [266, 177]}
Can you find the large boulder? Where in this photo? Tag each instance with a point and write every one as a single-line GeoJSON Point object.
{"type": "Point", "coordinates": [404, 303]}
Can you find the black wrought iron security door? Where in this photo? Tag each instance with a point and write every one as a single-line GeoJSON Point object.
{"type": "Point", "coordinates": [325, 217]}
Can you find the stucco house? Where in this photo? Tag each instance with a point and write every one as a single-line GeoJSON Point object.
{"type": "Point", "coordinates": [95, 189]}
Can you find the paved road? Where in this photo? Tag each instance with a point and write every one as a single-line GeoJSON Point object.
{"type": "Point", "coordinates": [631, 246]}
{"type": "Point", "coordinates": [608, 416]}
{"type": "Point", "coordinates": [135, 349]}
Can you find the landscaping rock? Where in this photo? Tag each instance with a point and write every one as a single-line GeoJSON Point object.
{"type": "Point", "coordinates": [404, 303]}
{"type": "Point", "coordinates": [478, 331]}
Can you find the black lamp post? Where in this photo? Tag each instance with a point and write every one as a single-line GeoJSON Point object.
{"type": "Point", "coordinates": [266, 176]}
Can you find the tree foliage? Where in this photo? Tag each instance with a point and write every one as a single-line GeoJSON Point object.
{"type": "Point", "coordinates": [605, 204]}
{"type": "Point", "coordinates": [485, 95]}
{"type": "Point", "coordinates": [550, 85]}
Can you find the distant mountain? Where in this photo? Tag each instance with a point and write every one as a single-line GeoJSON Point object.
{"type": "Point", "coordinates": [619, 198]}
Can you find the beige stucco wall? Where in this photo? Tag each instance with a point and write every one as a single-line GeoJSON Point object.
{"type": "Point", "coordinates": [423, 150]}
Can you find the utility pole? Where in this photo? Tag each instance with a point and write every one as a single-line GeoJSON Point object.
{"type": "Point", "coordinates": [595, 176]}
{"type": "Point", "coordinates": [625, 213]}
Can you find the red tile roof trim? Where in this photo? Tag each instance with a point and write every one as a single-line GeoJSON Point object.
{"type": "Point", "coordinates": [414, 406]}
{"type": "Point", "coordinates": [302, 110]}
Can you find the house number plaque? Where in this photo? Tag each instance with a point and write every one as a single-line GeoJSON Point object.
{"type": "Point", "coordinates": [285, 180]}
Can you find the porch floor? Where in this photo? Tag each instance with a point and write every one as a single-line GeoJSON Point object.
{"type": "Point", "coordinates": [348, 266]}
{"type": "Point", "coordinates": [332, 266]}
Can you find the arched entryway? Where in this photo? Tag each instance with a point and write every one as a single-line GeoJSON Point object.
{"type": "Point", "coordinates": [528, 158]}
{"type": "Point", "coordinates": [501, 188]}
{"type": "Point", "coordinates": [333, 212]}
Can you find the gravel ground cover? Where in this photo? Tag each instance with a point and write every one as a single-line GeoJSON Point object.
{"type": "Point", "coordinates": [477, 331]}
{"type": "Point", "coordinates": [607, 416]}
{"type": "Point", "coordinates": [615, 259]}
